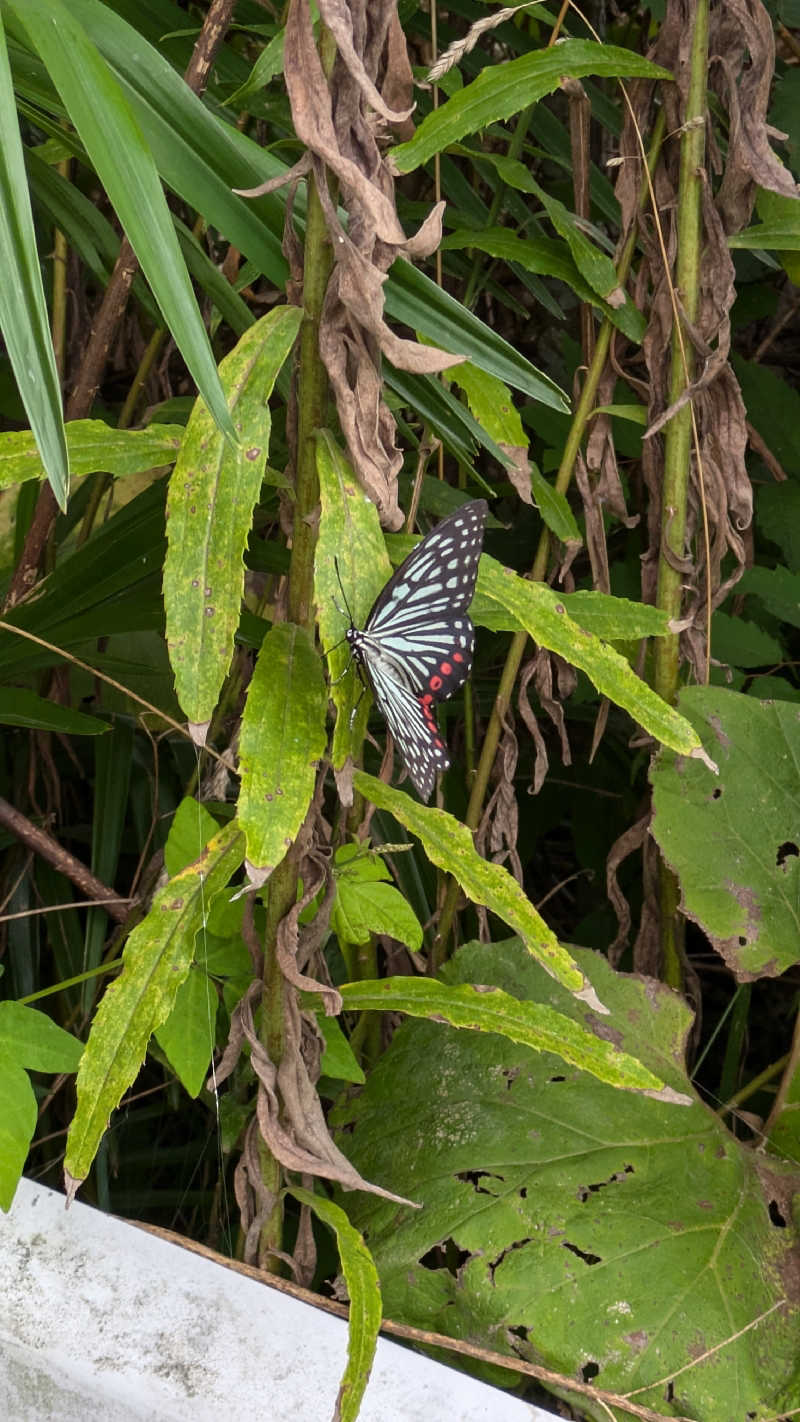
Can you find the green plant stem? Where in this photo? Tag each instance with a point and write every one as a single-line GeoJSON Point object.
{"type": "Point", "coordinates": [678, 440]}
{"type": "Point", "coordinates": [312, 398]}
{"type": "Point", "coordinates": [734, 1046]}
{"type": "Point", "coordinates": [751, 1087]}
{"type": "Point", "coordinates": [516, 651]}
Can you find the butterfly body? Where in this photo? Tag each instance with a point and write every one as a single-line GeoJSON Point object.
{"type": "Point", "coordinates": [416, 645]}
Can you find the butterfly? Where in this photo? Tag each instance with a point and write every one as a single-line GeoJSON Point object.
{"type": "Point", "coordinates": [416, 646]}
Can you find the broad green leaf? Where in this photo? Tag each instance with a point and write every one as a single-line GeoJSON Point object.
{"type": "Point", "coordinates": [92, 445]}
{"type": "Point", "coordinates": [554, 508]}
{"type": "Point", "coordinates": [113, 139]}
{"type": "Point", "coordinates": [773, 406]}
{"type": "Point", "coordinates": [361, 1279]}
{"type": "Point", "coordinates": [156, 961]}
{"type": "Point", "coordinates": [741, 643]}
{"type": "Point", "coordinates": [778, 518]}
{"type": "Point", "coordinates": [189, 1034]}
{"type": "Point", "coordinates": [481, 1008]}
{"type": "Point", "coordinates": [591, 1222]}
{"type": "Point", "coordinates": [191, 829]}
{"type": "Point", "coordinates": [733, 842]}
{"type": "Point", "coordinates": [364, 904]}
{"type": "Point", "coordinates": [23, 310]}
{"type": "Point", "coordinates": [18, 1113]}
{"type": "Point", "coordinates": [546, 257]}
{"type": "Point", "coordinates": [338, 1059]}
{"type": "Point", "coordinates": [283, 738]}
{"type": "Point", "coordinates": [777, 588]}
{"type": "Point", "coordinates": [35, 1042]}
{"type": "Point", "coordinates": [213, 490]}
{"type": "Point", "coordinates": [449, 846]}
{"type": "Point", "coordinates": [543, 613]}
{"type": "Point", "coordinates": [29, 1041]}
{"type": "Point", "coordinates": [349, 536]}
{"type": "Point", "coordinates": [501, 90]}
{"type": "Point", "coordinates": [19, 707]}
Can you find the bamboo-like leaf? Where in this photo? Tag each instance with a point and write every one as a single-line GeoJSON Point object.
{"type": "Point", "coordinates": [212, 493]}
{"type": "Point", "coordinates": [489, 1009]}
{"type": "Point", "coordinates": [283, 738]}
{"type": "Point", "coordinates": [156, 960]}
{"type": "Point", "coordinates": [23, 310]}
{"type": "Point", "coordinates": [449, 846]}
{"type": "Point", "coordinates": [20, 707]}
{"type": "Point", "coordinates": [554, 508]}
{"type": "Point", "coordinates": [543, 613]}
{"type": "Point", "coordinates": [92, 445]}
{"type": "Point", "coordinates": [546, 257]}
{"type": "Point", "coordinates": [363, 1291]}
{"type": "Point", "coordinates": [113, 139]}
{"type": "Point", "coordinates": [503, 89]}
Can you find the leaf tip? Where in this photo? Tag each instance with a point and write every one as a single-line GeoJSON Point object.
{"type": "Point", "coordinates": [588, 995]}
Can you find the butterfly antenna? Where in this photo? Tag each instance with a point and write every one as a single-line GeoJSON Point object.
{"type": "Point", "coordinates": [348, 614]}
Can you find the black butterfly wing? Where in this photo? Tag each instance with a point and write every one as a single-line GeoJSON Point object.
{"type": "Point", "coordinates": [420, 620]}
{"type": "Point", "coordinates": [410, 719]}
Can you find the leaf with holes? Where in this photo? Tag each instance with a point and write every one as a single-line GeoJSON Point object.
{"type": "Point", "coordinates": [733, 842]}
{"type": "Point", "coordinates": [604, 1233]}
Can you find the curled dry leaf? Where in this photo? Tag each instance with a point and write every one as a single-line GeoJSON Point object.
{"type": "Point", "coordinates": [288, 1109]}
{"type": "Point", "coordinates": [343, 126]}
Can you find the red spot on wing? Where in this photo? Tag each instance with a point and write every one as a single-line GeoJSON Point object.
{"type": "Point", "coordinates": [435, 683]}
{"type": "Point", "coordinates": [445, 668]}
{"type": "Point", "coordinates": [457, 657]}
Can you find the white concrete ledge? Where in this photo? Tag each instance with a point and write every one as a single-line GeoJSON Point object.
{"type": "Point", "coordinates": [101, 1320]}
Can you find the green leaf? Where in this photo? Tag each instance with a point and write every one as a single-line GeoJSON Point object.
{"type": "Point", "coordinates": [615, 619]}
{"type": "Point", "coordinates": [543, 613]}
{"type": "Point", "coordinates": [28, 1039]}
{"type": "Point", "coordinates": [364, 904]}
{"type": "Point", "coordinates": [212, 493]}
{"type": "Point", "coordinates": [595, 266]}
{"type": "Point", "coordinates": [338, 1061]}
{"type": "Point", "coordinates": [742, 643]}
{"type": "Point", "coordinates": [283, 738]}
{"type": "Point", "coordinates": [777, 588]}
{"type": "Point", "coordinates": [34, 1041]}
{"type": "Point", "coordinates": [156, 961]}
{"type": "Point", "coordinates": [449, 845]}
{"type": "Point", "coordinates": [501, 90]}
{"type": "Point", "coordinates": [594, 1223]}
{"type": "Point", "coordinates": [364, 1320]}
{"type": "Point", "coordinates": [124, 163]}
{"type": "Point", "coordinates": [733, 843]}
{"type": "Point", "coordinates": [481, 1008]}
{"type": "Point", "coordinates": [189, 1033]}
{"type": "Point", "coordinates": [489, 400]}
{"type": "Point", "coordinates": [92, 445]}
{"type": "Point", "coordinates": [769, 236]}
{"type": "Point", "coordinates": [773, 406]}
{"type": "Point", "coordinates": [18, 1113]}
{"type": "Point", "coordinates": [547, 258]}
{"type": "Point", "coordinates": [268, 64]}
{"type": "Point", "coordinates": [19, 707]}
{"type": "Point", "coordinates": [412, 298]}
{"type": "Point", "coordinates": [554, 508]}
{"type": "Point", "coordinates": [191, 829]}
{"type": "Point", "coordinates": [778, 518]}
{"type": "Point", "coordinates": [349, 536]}
{"type": "Point", "coordinates": [23, 310]}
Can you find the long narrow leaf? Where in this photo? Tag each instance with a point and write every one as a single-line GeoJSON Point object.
{"type": "Point", "coordinates": [125, 165]}
{"type": "Point", "coordinates": [23, 310]}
